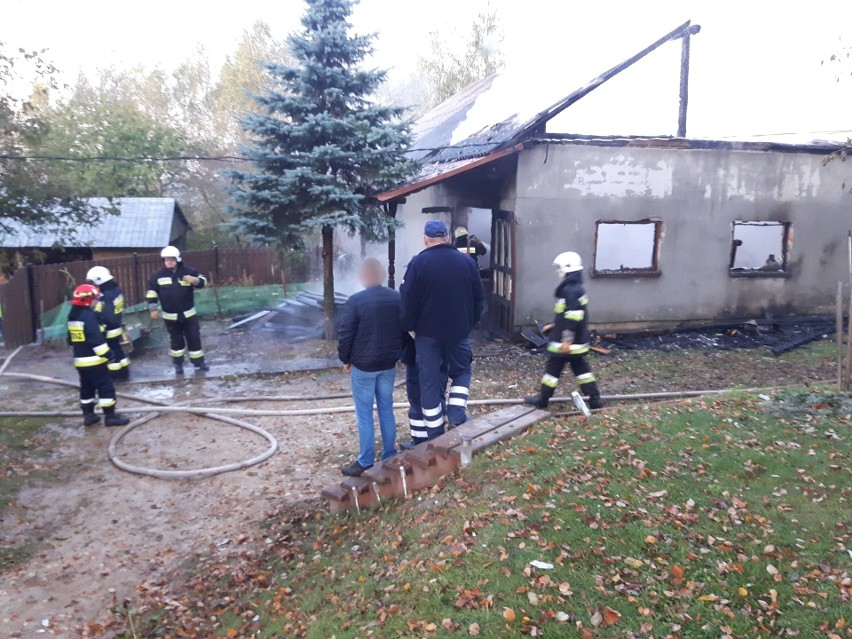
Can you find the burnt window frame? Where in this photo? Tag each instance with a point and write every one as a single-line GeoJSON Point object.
{"type": "Point", "coordinates": [652, 271]}
{"type": "Point", "coordinates": [786, 240]}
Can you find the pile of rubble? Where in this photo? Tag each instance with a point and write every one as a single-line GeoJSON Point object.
{"type": "Point", "coordinates": [295, 319]}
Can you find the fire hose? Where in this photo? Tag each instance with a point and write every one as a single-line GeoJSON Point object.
{"type": "Point", "coordinates": [157, 408]}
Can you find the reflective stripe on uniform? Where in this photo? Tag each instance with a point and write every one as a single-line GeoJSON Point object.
{"type": "Point", "coordinates": [125, 362]}
{"type": "Point", "coordinates": [560, 306]}
{"type": "Point", "coordinates": [586, 378]}
{"type": "Point", "coordinates": [549, 380]}
{"type": "Point", "coordinates": [114, 332]}
{"type": "Point", "coordinates": [91, 360]}
{"type": "Point", "coordinates": [434, 423]}
{"type": "Point", "coordinates": [419, 434]}
{"type": "Point", "coordinates": [106, 402]}
{"type": "Point", "coordinates": [101, 349]}
{"type": "Point", "coordinates": [114, 366]}
{"type": "Point", "coordinates": [576, 316]}
{"type": "Point", "coordinates": [190, 312]}
{"type": "Point", "coordinates": [88, 401]}
{"type": "Point", "coordinates": [151, 295]}
{"type": "Point", "coordinates": [196, 354]}
{"type": "Point", "coordinates": [431, 412]}
{"type": "Point", "coordinates": [415, 423]}
{"type": "Point", "coordinates": [554, 347]}
{"type": "Point", "coordinates": [164, 281]}
{"type": "Point", "coordinates": [468, 250]}
{"type": "Point", "coordinates": [172, 317]}
{"type": "Point", "coordinates": [461, 390]}
{"type": "Point", "coordinates": [584, 300]}
{"type": "Point", "coordinates": [578, 349]}
{"type": "Point", "coordinates": [458, 396]}
{"type": "Point", "coordinates": [179, 353]}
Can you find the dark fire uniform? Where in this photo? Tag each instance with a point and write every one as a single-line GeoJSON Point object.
{"type": "Point", "coordinates": [91, 353]}
{"type": "Point", "coordinates": [177, 299]}
{"type": "Point", "coordinates": [570, 326]}
{"type": "Point", "coordinates": [470, 245]}
{"type": "Point", "coordinates": [109, 310]}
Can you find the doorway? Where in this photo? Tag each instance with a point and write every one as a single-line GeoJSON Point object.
{"type": "Point", "coordinates": [501, 293]}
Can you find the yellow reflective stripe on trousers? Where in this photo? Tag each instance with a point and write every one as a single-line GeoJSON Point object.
{"type": "Point", "coordinates": [578, 349]}
{"type": "Point", "coordinates": [190, 312]}
{"type": "Point", "coordinates": [586, 378]}
{"type": "Point", "coordinates": [576, 316]}
{"type": "Point", "coordinates": [170, 316]}
{"type": "Point", "coordinates": [195, 354]}
{"type": "Point", "coordinates": [101, 349]}
{"type": "Point", "coordinates": [549, 380]}
{"type": "Point", "coordinates": [107, 402]}
{"type": "Point", "coordinates": [113, 333]}
{"type": "Point", "coordinates": [91, 360]}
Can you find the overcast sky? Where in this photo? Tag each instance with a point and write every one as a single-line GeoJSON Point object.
{"type": "Point", "coordinates": [756, 65]}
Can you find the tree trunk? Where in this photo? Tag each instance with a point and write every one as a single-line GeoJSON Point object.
{"type": "Point", "coordinates": [328, 280]}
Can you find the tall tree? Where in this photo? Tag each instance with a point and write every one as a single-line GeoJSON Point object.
{"type": "Point", "coordinates": [448, 70]}
{"type": "Point", "coordinates": [319, 145]}
{"type": "Point", "coordinates": [30, 193]}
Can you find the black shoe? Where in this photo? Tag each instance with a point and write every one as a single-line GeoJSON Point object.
{"type": "Point", "coordinates": [354, 469]}
{"type": "Point", "coordinates": [411, 443]}
{"type": "Point", "coordinates": [90, 419]}
{"type": "Point", "coordinates": [596, 403]}
{"type": "Point", "coordinates": [201, 366]}
{"type": "Point", "coordinates": [116, 420]}
{"type": "Point", "coordinates": [179, 368]}
{"type": "Point", "coordinates": [536, 400]}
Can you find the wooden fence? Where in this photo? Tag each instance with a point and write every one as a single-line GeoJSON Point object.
{"type": "Point", "coordinates": [34, 289]}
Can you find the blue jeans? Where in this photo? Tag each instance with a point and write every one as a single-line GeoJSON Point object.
{"type": "Point", "coordinates": [367, 387]}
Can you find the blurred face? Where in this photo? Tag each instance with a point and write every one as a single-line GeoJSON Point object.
{"type": "Point", "coordinates": [170, 262]}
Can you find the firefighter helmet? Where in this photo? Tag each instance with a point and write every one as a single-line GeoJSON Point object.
{"type": "Point", "coordinates": [568, 262]}
{"type": "Point", "coordinates": [84, 294]}
{"type": "Point", "coordinates": [97, 275]}
{"type": "Point", "coordinates": [170, 251]}
{"type": "Point", "coordinates": [460, 232]}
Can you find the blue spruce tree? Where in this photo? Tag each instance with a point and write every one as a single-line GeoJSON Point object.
{"type": "Point", "coordinates": [320, 146]}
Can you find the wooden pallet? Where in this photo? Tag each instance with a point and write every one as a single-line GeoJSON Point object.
{"type": "Point", "coordinates": [422, 466]}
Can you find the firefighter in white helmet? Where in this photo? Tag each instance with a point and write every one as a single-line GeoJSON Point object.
{"type": "Point", "coordinates": [173, 287]}
{"type": "Point", "coordinates": [109, 309]}
{"type": "Point", "coordinates": [568, 334]}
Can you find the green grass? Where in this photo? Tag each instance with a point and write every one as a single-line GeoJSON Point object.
{"type": "Point", "coordinates": [24, 444]}
{"type": "Point", "coordinates": [704, 518]}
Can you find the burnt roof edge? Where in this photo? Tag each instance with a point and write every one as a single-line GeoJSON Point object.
{"type": "Point", "coordinates": [664, 142]}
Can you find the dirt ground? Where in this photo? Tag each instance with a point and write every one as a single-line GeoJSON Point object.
{"type": "Point", "coordinates": [91, 536]}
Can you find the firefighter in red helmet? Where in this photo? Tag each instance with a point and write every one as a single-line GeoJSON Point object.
{"type": "Point", "coordinates": [91, 354]}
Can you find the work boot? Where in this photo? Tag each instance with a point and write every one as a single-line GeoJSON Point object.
{"type": "Point", "coordinates": [354, 469]}
{"type": "Point", "coordinates": [178, 362]}
{"type": "Point", "coordinates": [411, 443]}
{"type": "Point", "coordinates": [542, 399]}
{"type": "Point", "coordinates": [595, 402]}
{"type": "Point", "coordinates": [200, 364]}
{"type": "Point", "coordinates": [90, 419]}
{"type": "Point", "coordinates": [116, 420]}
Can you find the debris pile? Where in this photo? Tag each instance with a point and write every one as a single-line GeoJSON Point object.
{"type": "Point", "coordinates": [781, 335]}
{"type": "Point", "coordinates": [295, 319]}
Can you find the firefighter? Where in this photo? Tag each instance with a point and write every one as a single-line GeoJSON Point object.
{"type": "Point", "coordinates": [91, 354]}
{"type": "Point", "coordinates": [568, 334]}
{"type": "Point", "coordinates": [442, 299]}
{"type": "Point", "coordinates": [469, 244]}
{"type": "Point", "coordinates": [109, 310]}
{"type": "Point", "coordinates": [173, 286]}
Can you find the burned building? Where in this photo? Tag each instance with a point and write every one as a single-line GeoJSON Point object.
{"type": "Point", "coordinates": [672, 230]}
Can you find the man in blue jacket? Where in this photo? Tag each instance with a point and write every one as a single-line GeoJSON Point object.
{"type": "Point", "coordinates": [442, 300]}
{"type": "Point", "coordinates": [369, 342]}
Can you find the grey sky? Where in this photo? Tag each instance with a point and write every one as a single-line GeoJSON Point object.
{"type": "Point", "coordinates": [756, 64]}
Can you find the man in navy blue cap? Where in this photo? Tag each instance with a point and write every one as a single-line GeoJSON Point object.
{"type": "Point", "coordinates": [442, 300]}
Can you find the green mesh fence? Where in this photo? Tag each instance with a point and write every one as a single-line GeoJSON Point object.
{"type": "Point", "coordinates": [232, 299]}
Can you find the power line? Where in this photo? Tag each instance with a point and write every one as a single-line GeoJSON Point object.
{"type": "Point", "coordinates": [187, 158]}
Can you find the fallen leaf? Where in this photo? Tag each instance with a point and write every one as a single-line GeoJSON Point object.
{"type": "Point", "coordinates": [610, 616]}
{"type": "Point", "coordinates": [232, 632]}
{"type": "Point", "coordinates": [533, 598]}
{"type": "Point", "coordinates": [650, 539]}
{"type": "Point", "coordinates": [772, 570]}
{"type": "Point", "coordinates": [473, 630]}
{"type": "Point", "coordinates": [447, 624]}
{"type": "Point", "coordinates": [707, 598]}
{"type": "Point", "coordinates": [565, 588]}
{"type": "Point", "coordinates": [596, 619]}
{"type": "Point", "coordinates": [742, 592]}
{"type": "Point", "coordinates": [659, 494]}
{"type": "Point", "coordinates": [563, 617]}
{"type": "Point", "coordinates": [633, 563]}
{"type": "Point", "coordinates": [509, 614]}
{"type": "Point", "coordinates": [430, 627]}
